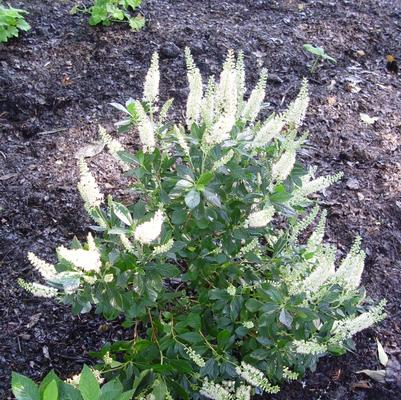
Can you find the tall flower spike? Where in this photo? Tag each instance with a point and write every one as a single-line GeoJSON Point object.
{"type": "Point", "coordinates": [164, 111]}
{"type": "Point", "coordinates": [240, 69]}
{"type": "Point", "coordinates": [312, 186]}
{"type": "Point", "coordinates": [260, 219]}
{"type": "Point", "coordinates": [149, 231]}
{"type": "Point", "coordinates": [209, 103]}
{"type": "Point", "coordinates": [282, 168]}
{"type": "Point", "coordinates": [351, 268]}
{"type": "Point", "coordinates": [304, 223]}
{"type": "Point", "coordinates": [316, 238]}
{"type": "Point", "coordinates": [220, 131]}
{"type": "Point", "coordinates": [181, 139]}
{"type": "Point", "coordinates": [346, 328]}
{"type": "Point", "coordinates": [88, 188]}
{"type": "Point", "coordinates": [227, 89]}
{"type": "Point", "coordinates": [195, 357]}
{"type": "Point", "coordinates": [254, 103]}
{"type": "Point", "coordinates": [297, 109]}
{"type": "Point", "coordinates": [214, 391]}
{"type": "Point", "coordinates": [256, 378]}
{"type": "Point", "coordinates": [310, 347]}
{"type": "Point", "coordinates": [323, 272]}
{"type": "Point", "coordinates": [243, 392]}
{"type": "Point", "coordinates": [151, 86]}
{"type": "Point", "coordinates": [223, 160]}
{"type": "Point", "coordinates": [114, 146]}
{"type": "Point", "coordinates": [37, 289]}
{"type": "Point", "coordinates": [195, 95]}
{"type": "Point", "coordinates": [47, 270]}
{"type": "Point", "coordinates": [84, 260]}
{"type": "Point", "coordinates": [268, 131]}
{"type": "Point", "coordinates": [145, 128]}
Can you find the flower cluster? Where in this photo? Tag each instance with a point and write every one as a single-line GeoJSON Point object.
{"type": "Point", "coordinates": [259, 219]}
{"type": "Point", "coordinates": [256, 378]}
{"type": "Point", "coordinates": [195, 357]}
{"type": "Point", "coordinates": [149, 231]}
{"type": "Point", "coordinates": [346, 328]}
{"type": "Point", "coordinates": [37, 289]}
{"type": "Point", "coordinates": [88, 187]}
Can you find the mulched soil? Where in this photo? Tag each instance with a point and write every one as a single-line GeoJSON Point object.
{"type": "Point", "coordinates": [57, 81]}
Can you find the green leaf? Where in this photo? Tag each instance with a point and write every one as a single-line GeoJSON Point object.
{"type": "Point", "coordinates": [259, 354]}
{"type": "Point", "coordinates": [253, 305]}
{"type": "Point", "coordinates": [286, 318]}
{"type": "Point", "coordinates": [167, 270]}
{"type": "Point", "coordinates": [136, 23]}
{"type": "Point", "coordinates": [50, 377]}
{"type": "Point", "coordinates": [159, 389]}
{"type": "Point", "coordinates": [68, 392]}
{"type": "Point", "coordinates": [127, 395]}
{"type": "Point", "coordinates": [24, 388]}
{"type": "Point", "coordinates": [191, 337]}
{"type": "Point", "coordinates": [111, 390]}
{"type": "Point", "coordinates": [122, 213]}
{"type": "Point", "coordinates": [212, 198]}
{"type": "Point", "coordinates": [204, 180]}
{"type": "Point", "coordinates": [51, 391]}
{"type": "Point", "coordinates": [88, 385]}
{"type": "Point", "coordinates": [192, 199]}
{"type": "Point", "coordinates": [194, 321]}
{"type": "Point", "coordinates": [140, 378]}
{"type": "Point", "coordinates": [178, 217]}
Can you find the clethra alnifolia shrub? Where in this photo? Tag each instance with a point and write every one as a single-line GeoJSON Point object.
{"type": "Point", "coordinates": [207, 265]}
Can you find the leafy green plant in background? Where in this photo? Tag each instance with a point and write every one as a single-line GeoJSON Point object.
{"type": "Point", "coordinates": [107, 11]}
{"type": "Point", "coordinates": [211, 265]}
{"type": "Point", "coordinates": [85, 386]}
{"type": "Point", "coordinates": [12, 21]}
{"type": "Point", "coordinates": [319, 53]}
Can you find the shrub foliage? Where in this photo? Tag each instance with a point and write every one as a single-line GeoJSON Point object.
{"type": "Point", "coordinates": [219, 265]}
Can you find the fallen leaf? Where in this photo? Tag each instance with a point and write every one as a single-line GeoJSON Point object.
{"type": "Point", "coordinates": [33, 320]}
{"type": "Point", "coordinates": [367, 119]}
{"type": "Point", "coordinates": [89, 150]}
{"type": "Point", "coordinates": [46, 352]}
{"type": "Point", "coordinates": [383, 357]}
{"type": "Point", "coordinates": [352, 87]}
{"type": "Point", "coordinates": [8, 176]}
{"type": "Point", "coordinates": [378, 375]}
{"type": "Point", "coordinates": [361, 385]}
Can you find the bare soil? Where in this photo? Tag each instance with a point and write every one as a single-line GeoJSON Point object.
{"type": "Point", "coordinates": [56, 83]}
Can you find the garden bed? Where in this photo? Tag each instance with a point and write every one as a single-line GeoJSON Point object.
{"type": "Point", "coordinates": [56, 84]}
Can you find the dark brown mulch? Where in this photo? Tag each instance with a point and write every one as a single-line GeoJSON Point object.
{"type": "Point", "coordinates": [56, 84]}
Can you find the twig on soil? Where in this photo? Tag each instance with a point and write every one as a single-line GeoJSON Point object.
{"type": "Point", "coordinates": [52, 131]}
{"type": "Point", "coordinates": [78, 359]}
{"type": "Point", "coordinates": [19, 345]}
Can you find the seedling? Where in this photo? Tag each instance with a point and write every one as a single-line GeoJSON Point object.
{"type": "Point", "coordinates": [107, 11]}
{"type": "Point", "coordinates": [320, 54]}
{"type": "Point", "coordinates": [11, 22]}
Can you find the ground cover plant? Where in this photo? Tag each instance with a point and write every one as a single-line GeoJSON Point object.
{"type": "Point", "coordinates": [210, 264]}
{"type": "Point", "coordinates": [12, 20]}
{"type": "Point", "coordinates": [107, 11]}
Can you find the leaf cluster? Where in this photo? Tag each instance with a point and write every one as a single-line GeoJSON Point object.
{"type": "Point", "coordinates": [12, 21]}
{"type": "Point", "coordinates": [52, 387]}
{"type": "Point", "coordinates": [107, 11]}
